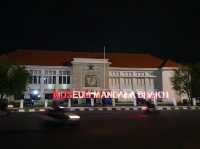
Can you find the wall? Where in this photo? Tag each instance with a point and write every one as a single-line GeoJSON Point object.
{"type": "Point", "coordinates": [166, 74]}
{"type": "Point", "coordinates": [46, 88]}
{"type": "Point", "coordinates": [83, 67]}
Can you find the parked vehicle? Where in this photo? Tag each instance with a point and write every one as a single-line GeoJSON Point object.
{"type": "Point", "coordinates": [28, 102]}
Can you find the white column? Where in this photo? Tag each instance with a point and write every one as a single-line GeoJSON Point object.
{"type": "Point", "coordinates": [147, 84]}
{"type": "Point", "coordinates": [114, 83]}
{"type": "Point", "coordinates": [21, 104]}
{"type": "Point", "coordinates": [134, 86]}
{"type": "Point", "coordinates": [134, 83]}
{"type": "Point", "coordinates": [138, 83]}
{"type": "Point", "coordinates": [134, 102]}
{"type": "Point", "coordinates": [121, 83]}
{"type": "Point", "coordinates": [130, 84]}
{"type": "Point", "coordinates": [174, 102]}
{"type": "Point", "coordinates": [193, 101]}
{"type": "Point", "coordinates": [167, 84]}
{"type": "Point", "coordinates": [113, 102]}
{"type": "Point", "coordinates": [46, 103]}
{"type": "Point", "coordinates": [92, 102]}
{"type": "Point", "coordinates": [144, 84]}
{"type": "Point", "coordinates": [57, 78]}
{"type": "Point", "coordinates": [152, 83]}
{"type": "Point", "coordinates": [110, 83]}
{"type": "Point", "coordinates": [155, 101]}
{"type": "Point", "coordinates": [141, 83]}
{"type": "Point", "coordinates": [69, 102]}
{"type": "Point", "coordinates": [42, 96]}
{"type": "Point", "coordinates": [118, 83]}
{"type": "Point", "coordinates": [125, 83]}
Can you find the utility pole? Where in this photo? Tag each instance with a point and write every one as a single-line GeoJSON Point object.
{"type": "Point", "coordinates": [104, 64]}
{"type": "Point", "coordinates": [104, 67]}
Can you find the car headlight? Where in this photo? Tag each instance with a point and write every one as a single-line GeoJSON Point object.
{"type": "Point", "coordinates": [144, 108]}
{"type": "Point", "coordinates": [74, 117]}
{"type": "Point", "coordinates": [61, 107]}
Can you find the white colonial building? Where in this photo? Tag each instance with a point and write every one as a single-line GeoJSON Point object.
{"type": "Point", "coordinates": [61, 70]}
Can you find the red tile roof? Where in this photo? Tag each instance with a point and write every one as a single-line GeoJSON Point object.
{"type": "Point", "coordinates": [170, 63]}
{"type": "Point", "coordinates": [59, 58]}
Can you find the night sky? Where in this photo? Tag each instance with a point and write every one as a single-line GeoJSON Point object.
{"type": "Point", "coordinates": [169, 29]}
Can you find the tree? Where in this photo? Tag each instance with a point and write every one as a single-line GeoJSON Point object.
{"type": "Point", "coordinates": [18, 80]}
{"type": "Point", "coordinates": [181, 81]}
{"type": "Point", "coordinates": [13, 79]}
{"type": "Point", "coordinates": [4, 79]}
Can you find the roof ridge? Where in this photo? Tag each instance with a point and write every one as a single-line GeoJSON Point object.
{"type": "Point", "coordinates": [79, 50]}
{"type": "Point", "coordinates": [52, 57]}
{"type": "Point", "coordinates": [166, 61]}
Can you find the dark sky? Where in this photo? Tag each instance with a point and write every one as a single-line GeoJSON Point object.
{"type": "Point", "coordinates": [162, 27]}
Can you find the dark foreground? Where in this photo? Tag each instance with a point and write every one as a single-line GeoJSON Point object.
{"type": "Point", "coordinates": [98, 130]}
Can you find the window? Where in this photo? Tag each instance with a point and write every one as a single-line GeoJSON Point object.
{"type": "Point", "coordinates": [68, 80]}
{"type": "Point", "coordinates": [34, 79]}
{"type": "Point", "coordinates": [60, 79]}
{"type": "Point", "coordinates": [50, 77]}
{"type": "Point", "coordinates": [35, 76]}
{"type": "Point", "coordinates": [54, 79]}
{"type": "Point", "coordinates": [64, 80]}
{"type": "Point", "coordinates": [45, 80]}
{"type": "Point", "coordinates": [64, 77]}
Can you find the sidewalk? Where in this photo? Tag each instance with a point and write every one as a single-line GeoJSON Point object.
{"type": "Point", "coordinates": [121, 108]}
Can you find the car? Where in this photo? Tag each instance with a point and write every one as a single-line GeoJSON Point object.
{"type": "Point", "coordinates": [28, 102]}
{"type": "Point", "coordinates": [141, 101]}
{"type": "Point", "coordinates": [59, 113]}
{"type": "Point", "coordinates": [149, 107]}
{"type": "Point", "coordinates": [107, 101]}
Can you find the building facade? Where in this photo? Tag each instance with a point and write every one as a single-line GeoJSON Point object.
{"type": "Point", "coordinates": [62, 70]}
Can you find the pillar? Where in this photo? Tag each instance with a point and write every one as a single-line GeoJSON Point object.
{"type": "Point", "coordinates": [46, 103]}
{"type": "Point", "coordinates": [92, 102]}
{"type": "Point", "coordinates": [21, 104]}
{"type": "Point", "coordinates": [174, 102]}
{"type": "Point", "coordinates": [155, 101]}
{"type": "Point", "coordinates": [69, 102]}
{"type": "Point", "coordinates": [134, 102]}
{"type": "Point", "coordinates": [113, 102]}
{"type": "Point", "coordinates": [193, 101]}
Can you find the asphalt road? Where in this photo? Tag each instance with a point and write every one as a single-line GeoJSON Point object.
{"type": "Point", "coordinates": [98, 130]}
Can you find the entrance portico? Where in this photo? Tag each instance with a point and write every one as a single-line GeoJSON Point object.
{"type": "Point", "coordinates": [88, 73]}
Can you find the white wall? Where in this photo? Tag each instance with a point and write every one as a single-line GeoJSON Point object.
{"type": "Point", "coordinates": [46, 88]}
{"type": "Point", "coordinates": [166, 74]}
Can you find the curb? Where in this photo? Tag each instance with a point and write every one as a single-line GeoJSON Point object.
{"type": "Point", "coordinates": [79, 109]}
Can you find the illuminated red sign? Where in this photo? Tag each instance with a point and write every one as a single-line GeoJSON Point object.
{"type": "Point", "coordinates": [57, 95]}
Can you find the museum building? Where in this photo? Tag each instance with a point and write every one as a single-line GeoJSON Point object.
{"type": "Point", "coordinates": [67, 70]}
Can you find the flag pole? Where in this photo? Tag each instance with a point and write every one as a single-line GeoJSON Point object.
{"type": "Point", "coordinates": [104, 68]}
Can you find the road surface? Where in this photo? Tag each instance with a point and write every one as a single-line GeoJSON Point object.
{"type": "Point", "coordinates": [98, 130]}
